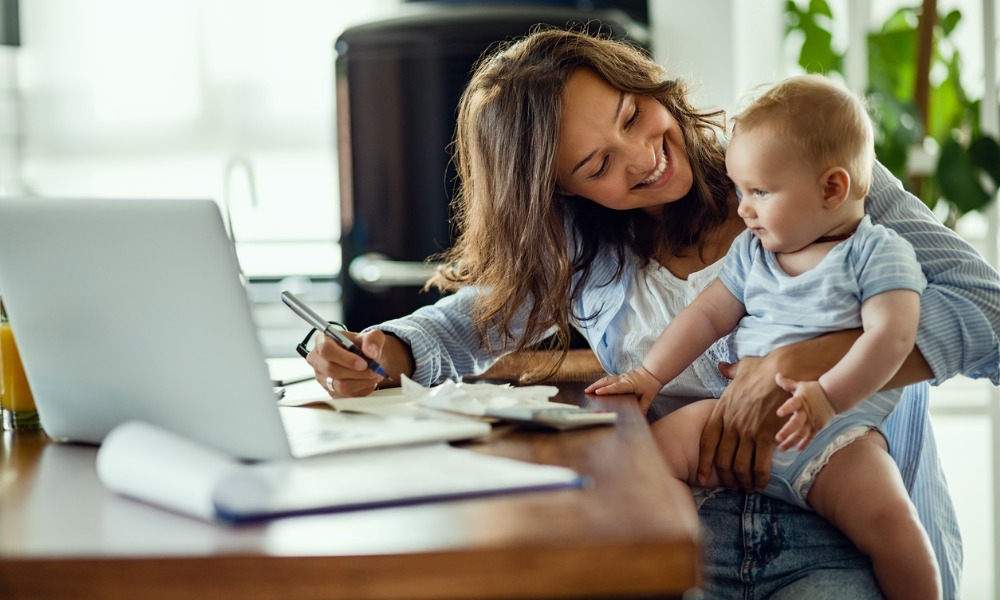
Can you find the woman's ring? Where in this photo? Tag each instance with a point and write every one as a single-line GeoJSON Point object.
{"type": "Point", "coordinates": [329, 384]}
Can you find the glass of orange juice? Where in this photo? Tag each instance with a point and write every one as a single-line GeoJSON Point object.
{"type": "Point", "coordinates": [18, 404]}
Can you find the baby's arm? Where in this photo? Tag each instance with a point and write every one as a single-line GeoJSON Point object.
{"type": "Point", "coordinates": [889, 321]}
{"type": "Point", "coordinates": [713, 314]}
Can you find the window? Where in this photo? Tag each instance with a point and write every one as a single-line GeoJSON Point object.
{"type": "Point", "coordinates": [226, 99]}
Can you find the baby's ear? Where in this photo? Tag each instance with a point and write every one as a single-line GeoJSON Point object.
{"type": "Point", "coordinates": [836, 184]}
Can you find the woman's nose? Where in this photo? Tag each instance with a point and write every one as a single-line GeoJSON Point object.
{"type": "Point", "coordinates": [643, 159]}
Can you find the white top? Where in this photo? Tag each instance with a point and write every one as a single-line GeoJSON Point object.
{"type": "Point", "coordinates": [655, 297]}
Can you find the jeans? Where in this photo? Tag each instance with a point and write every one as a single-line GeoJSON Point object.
{"type": "Point", "coordinates": [756, 547]}
{"type": "Point", "coordinates": [912, 445]}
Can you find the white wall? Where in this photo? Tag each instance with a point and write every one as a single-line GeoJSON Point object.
{"type": "Point", "coordinates": [722, 47]}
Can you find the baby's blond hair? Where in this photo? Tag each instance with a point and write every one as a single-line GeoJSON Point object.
{"type": "Point", "coordinates": [826, 124]}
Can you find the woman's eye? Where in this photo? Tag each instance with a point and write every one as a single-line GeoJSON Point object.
{"type": "Point", "coordinates": [602, 170]}
{"type": "Point", "coordinates": [633, 118]}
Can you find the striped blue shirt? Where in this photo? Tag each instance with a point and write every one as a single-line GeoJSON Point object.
{"type": "Point", "coordinates": [958, 334]}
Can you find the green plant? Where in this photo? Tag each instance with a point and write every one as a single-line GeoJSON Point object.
{"type": "Point", "coordinates": [965, 171]}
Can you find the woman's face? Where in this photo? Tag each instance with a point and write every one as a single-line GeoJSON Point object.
{"type": "Point", "coordinates": [620, 150]}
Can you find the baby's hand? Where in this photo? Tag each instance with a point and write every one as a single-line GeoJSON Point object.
{"type": "Point", "coordinates": [637, 381]}
{"type": "Point", "coordinates": [810, 411]}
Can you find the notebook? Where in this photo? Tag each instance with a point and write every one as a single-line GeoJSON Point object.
{"type": "Point", "coordinates": [160, 468]}
{"type": "Point", "coordinates": [133, 310]}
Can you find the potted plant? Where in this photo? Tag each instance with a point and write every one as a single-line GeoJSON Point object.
{"type": "Point", "coordinates": [927, 135]}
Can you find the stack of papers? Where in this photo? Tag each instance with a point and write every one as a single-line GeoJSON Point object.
{"type": "Point", "coordinates": [525, 404]}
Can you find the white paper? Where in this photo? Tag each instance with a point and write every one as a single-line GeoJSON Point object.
{"type": "Point", "coordinates": [477, 399]}
{"type": "Point", "coordinates": [380, 477]}
{"type": "Point", "coordinates": [445, 400]}
{"type": "Point", "coordinates": [313, 432]}
{"type": "Point", "coordinates": [158, 467]}
{"type": "Point", "coordinates": [390, 402]}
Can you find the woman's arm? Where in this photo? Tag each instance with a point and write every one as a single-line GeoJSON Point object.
{"type": "Point", "coordinates": [890, 326]}
{"type": "Point", "coordinates": [747, 409]}
{"type": "Point", "coordinates": [434, 343]}
{"type": "Point", "coordinates": [959, 331]}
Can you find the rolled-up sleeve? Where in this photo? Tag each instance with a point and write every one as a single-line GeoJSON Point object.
{"type": "Point", "coordinates": [959, 330]}
{"type": "Point", "coordinates": [442, 338]}
{"type": "Point", "coordinates": [444, 341]}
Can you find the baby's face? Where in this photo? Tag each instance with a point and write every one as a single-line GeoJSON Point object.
{"type": "Point", "coordinates": [782, 199]}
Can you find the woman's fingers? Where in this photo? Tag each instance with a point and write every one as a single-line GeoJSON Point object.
{"type": "Point", "coordinates": [348, 373]}
{"type": "Point", "coordinates": [344, 388]}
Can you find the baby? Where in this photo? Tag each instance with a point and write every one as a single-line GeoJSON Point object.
{"type": "Point", "coordinates": [810, 262]}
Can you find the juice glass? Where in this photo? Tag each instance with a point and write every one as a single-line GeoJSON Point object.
{"type": "Point", "coordinates": [18, 404]}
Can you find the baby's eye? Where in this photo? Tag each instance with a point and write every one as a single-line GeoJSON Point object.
{"type": "Point", "coordinates": [759, 193]}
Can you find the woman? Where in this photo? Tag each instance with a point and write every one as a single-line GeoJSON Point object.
{"type": "Point", "coordinates": [593, 195]}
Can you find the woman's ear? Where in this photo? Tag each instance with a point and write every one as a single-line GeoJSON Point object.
{"type": "Point", "coordinates": [836, 184]}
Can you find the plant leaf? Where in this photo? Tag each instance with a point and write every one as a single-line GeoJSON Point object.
{"type": "Point", "coordinates": [820, 7]}
{"type": "Point", "coordinates": [904, 19]}
{"type": "Point", "coordinates": [891, 68]}
{"type": "Point", "coordinates": [959, 178]}
{"type": "Point", "coordinates": [985, 154]}
{"type": "Point", "coordinates": [949, 21]}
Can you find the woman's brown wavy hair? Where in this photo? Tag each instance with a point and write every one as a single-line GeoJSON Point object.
{"type": "Point", "coordinates": [510, 217]}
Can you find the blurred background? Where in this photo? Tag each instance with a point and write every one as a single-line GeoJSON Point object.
{"type": "Point", "coordinates": [320, 126]}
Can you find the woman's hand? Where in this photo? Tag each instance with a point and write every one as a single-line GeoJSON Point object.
{"type": "Point", "coordinates": [739, 438]}
{"type": "Point", "coordinates": [343, 373]}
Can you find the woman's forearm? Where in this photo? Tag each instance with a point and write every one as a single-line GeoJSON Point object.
{"type": "Point", "coordinates": [739, 437]}
{"type": "Point", "coordinates": [913, 370]}
{"type": "Point", "coordinates": [811, 358]}
{"type": "Point", "coordinates": [397, 359]}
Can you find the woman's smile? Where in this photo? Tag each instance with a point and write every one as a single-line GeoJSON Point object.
{"type": "Point", "coordinates": [659, 177]}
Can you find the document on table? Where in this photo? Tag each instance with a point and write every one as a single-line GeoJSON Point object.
{"type": "Point", "coordinates": [161, 468]}
{"type": "Point", "coordinates": [529, 405]}
{"type": "Point", "coordinates": [449, 400]}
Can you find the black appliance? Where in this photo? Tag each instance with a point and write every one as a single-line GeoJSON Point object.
{"type": "Point", "coordinates": [398, 82]}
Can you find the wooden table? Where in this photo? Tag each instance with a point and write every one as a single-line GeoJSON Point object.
{"type": "Point", "coordinates": [63, 535]}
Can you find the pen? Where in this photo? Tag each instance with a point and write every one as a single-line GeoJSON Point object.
{"type": "Point", "coordinates": [299, 308]}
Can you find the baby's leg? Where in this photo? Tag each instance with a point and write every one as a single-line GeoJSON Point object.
{"type": "Point", "coordinates": [861, 492]}
{"type": "Point", "coordinates": [679, 435]}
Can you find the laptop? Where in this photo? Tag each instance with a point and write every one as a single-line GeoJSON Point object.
{"type": "Point", "coordinates": [130, 310]}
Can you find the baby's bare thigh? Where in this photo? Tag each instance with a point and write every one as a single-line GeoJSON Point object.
{"type": "Point", "coordinates": [678, 436]}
